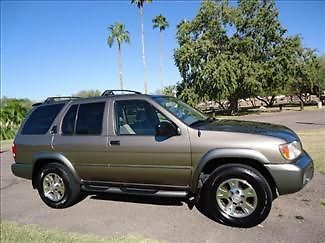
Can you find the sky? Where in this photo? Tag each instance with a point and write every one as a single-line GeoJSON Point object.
{"type": "Point", "coordinates": [51, 48]}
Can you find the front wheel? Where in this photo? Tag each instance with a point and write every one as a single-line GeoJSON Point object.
{"type": "Point", "coordinates": [237, 195]}
{"type": "Point", "coordinates": [56, 186]}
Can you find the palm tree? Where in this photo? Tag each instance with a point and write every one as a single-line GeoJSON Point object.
{"type": "Point", "coordinates": [161, 23]}
{"type": "Point", "coordinates": [119, 33]}
{"type": "Point", "coordinates": [139, 4]}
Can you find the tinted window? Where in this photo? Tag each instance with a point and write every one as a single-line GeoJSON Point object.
{"type": "Point", "coordinates": [90, 118]}
{"type": "Point", "coordinates": [137, 118]}
{"type": "Point", "coordinates": [69, 121]}
{"type": "Point", "coordinates": [40, 120]}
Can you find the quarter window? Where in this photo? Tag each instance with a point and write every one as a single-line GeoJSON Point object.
{"type": "Point", "coordinates": [40, 119]}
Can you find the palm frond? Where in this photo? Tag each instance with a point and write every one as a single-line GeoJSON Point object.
{"type": "Point", "coordinates": [160, 22]}
{"type": "Point", "coordinates": [117, 32]}
{"type": "Point", "coordinates": [140, 3]}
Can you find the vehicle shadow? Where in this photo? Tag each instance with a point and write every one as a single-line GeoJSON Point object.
{"type": "Point", "coordinates": [164, 201]}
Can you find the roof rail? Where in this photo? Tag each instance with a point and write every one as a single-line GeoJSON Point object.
{"type": "Point", "coordinates": [59, 98]}
{"type": "Point", "coordinates": [111, 91]}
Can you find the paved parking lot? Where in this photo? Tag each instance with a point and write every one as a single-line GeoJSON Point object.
{"type": "Point", "coordinates": [294, 218]}
{"type": "Point", "coordinates": [296, 120]}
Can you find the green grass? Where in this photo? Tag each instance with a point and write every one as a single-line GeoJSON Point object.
{"type": "Point", "coordinates": [314, 143]}
{"type": "Point", "coordinates": [13, 232]}
{"type": "Point", "coordinates": [322, 202]}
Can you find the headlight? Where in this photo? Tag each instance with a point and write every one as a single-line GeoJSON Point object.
{"type": "Point", "coordinates": [291, 150]}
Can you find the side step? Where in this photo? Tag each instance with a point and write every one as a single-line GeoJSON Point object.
{"type": "Point", "coordinates": [134, 191]}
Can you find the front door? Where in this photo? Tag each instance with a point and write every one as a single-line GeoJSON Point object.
{"type": "Point", "coordinates": [137, 155]}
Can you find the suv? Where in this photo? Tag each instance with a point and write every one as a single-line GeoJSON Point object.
{"type": "Point", "coordinates": [153, 145]}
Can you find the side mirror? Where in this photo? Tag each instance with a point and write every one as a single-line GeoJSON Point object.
{"type": "Point", "coordinates": [166, 129]}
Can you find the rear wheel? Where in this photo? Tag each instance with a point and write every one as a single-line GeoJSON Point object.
{"type": "Point", "coordinates": [237, 195]}
{"type": "Point", "coordinates": [57, 186]}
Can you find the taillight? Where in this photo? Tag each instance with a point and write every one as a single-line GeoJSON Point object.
{"type": "Point", "coordinates": [14, 150]}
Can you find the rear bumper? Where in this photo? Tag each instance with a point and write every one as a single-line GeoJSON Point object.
{"type": "Point", "coordinates": [291, 178]}
{"type": "Point", "coordinates": [22, 170]}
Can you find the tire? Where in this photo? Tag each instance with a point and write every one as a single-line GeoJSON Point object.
{"type": "Point", "coordinates": [57, 187]}
{"type": "Point", "coordinates": [237, 195]}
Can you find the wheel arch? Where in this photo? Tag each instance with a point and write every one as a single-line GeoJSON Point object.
{"type": "Point", "coordinates": [215, 158]}
{"type": "Point", "coordinates": [42, 158]}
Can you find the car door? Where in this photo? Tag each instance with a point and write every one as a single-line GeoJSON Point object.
{"type": "Point", "coordinates": [137, 155]}
{"type": "Point", "coordinates": [82, 138]}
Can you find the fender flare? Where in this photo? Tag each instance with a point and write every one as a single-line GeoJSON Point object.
{"type": "Point", "coordinates": [222, 153]}
{"type": "Point", "coordinates": [56, 157]}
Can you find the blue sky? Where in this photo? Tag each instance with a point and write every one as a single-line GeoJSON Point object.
{"type": "Point", "coordinates": [59, 47]}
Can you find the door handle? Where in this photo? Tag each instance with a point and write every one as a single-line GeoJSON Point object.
{"type": "Point", "coordinates": [114, 142]}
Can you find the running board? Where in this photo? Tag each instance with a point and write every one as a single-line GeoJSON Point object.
{"type": "Point", "coordinates": [134, 191]}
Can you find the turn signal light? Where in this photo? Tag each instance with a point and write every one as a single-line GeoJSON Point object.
{"type": "Point", "coordinates": [291, 150]}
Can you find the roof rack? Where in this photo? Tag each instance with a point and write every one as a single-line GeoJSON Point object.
{"type": "Point", "coordinates": [111, 91]}
{"type": "Point", "coordinates": [54, 99]}
{"type": "Point", "coordinates": [60, 98]}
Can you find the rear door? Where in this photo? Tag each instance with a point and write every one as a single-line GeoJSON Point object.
{"type": "Point", "coordinates": [82, 138]}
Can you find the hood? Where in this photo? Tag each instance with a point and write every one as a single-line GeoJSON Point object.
{"type": "Point", "coordinates": [250, 127]}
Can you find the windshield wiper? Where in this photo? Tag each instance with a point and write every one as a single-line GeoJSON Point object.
{"type": "Point", "coordinates": [197, 122]}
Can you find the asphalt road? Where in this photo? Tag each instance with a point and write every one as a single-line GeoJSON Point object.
{"type": "Point", "coordinates": [296, 218]}
{"type": "Point", "coordinates": [296, 120]}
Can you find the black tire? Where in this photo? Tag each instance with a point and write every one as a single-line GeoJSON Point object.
{"type": "Point", "coordinates": [68, 196]}
{"type": "Point", "coordinates": [247, 177]}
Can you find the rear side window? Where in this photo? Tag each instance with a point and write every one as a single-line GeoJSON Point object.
{"type": "Point", "coordinates": [90, 118]}
{"type": "Point", "coordinates": [68, 122]}
{"type": "Point", "coordinates": [40, 120]}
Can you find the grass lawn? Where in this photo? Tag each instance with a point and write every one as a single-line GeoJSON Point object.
{"type": "Point", "coordinates": [314, 143]}
{"type": "Point", "coordinates": [13, 232]}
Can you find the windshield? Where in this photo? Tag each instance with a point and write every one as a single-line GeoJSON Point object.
{"type": "Point", "coordinates": [182, 111]}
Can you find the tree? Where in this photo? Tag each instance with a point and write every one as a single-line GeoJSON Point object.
{"type": "Point", "coordinates": [88, 93]}
{"type": "Point", "coordinates": [169, 90]}
{"type": "Point", "coordinates": [117, 32]}
{"type": "Point", "coordinates": [160, 22]}
{"type": "Point", "coordinates": [187, 94]}
{"type": "Point", "coordinates": [139, 4]}
{"type": "Point", "coordinates": [235, 52]}
{"type": "Point", "coordinates": [307, 68]}
{"type": "Point", "coordinates": [12, 113]}
{"type": "Point", "coordinates": [321, 73]}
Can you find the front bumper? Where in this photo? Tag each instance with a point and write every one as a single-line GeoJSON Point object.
{"type": "Point", "coordinates": [22, 170]}
{"type": "Point", "coordinates": [291, 178]}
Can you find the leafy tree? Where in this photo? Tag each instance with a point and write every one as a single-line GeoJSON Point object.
{"type": "Point", "coordinates": [160, 22]}
{"type": "Point", "coordinates": [139, 4]}
{"type": "Point", "coordinates": [321, 73]}
{"type": "Point", "coordinates": [12, 113]}
{"type": "Point", "coordinates": [233, 52]}
{"type": "Point", "coordinates": [88, 93]}
{"type": "Point", "coordinates": [117, 32]}
{"type": "Point", "coordinates": [306, 73]}
{"type": "Point", "coordinates": [188, 94]}
{"type": "Point", "coordinates": [169, 90]}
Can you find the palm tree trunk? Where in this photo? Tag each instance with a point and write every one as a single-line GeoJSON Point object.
{"type": "Point", "coordinates": [143, 54]}
{"type": "Point", "coordinates": [120, 66]}
{"type": "Point", "coordinates": [161, 63]}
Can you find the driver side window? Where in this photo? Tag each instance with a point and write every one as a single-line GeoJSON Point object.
{"type": "Point", "coordinates": [137, 117]}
